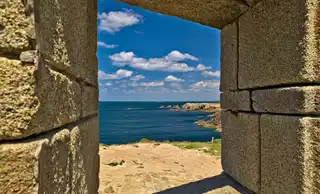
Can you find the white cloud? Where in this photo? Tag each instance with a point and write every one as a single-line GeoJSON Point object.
{"type": "Point", "coordinates": [179, 67]}
{"type": "Point", "coordinates": [172, 78]}
{"type": "Point", "coordinates": [176, 87]}
{"type": "Point", "coordinates": [121, 73]}
{"type": "Point", "coordinates": [205, 85]}
{"type": "Point", "coordinates": [137, 78]}
{"type": "Point", "coordinates": [152, 84]}
{"type": "Point", "coordinates": [108, 84]}
{"type": "Point", "coordinates": [169, 63]}
{"type": "Point", "coordinates": [202, 67]}
{"type": "Point", "coordinates": [122, 58]}
{"type": "Point", "coordinates": [211, 74]}
{"type": "Point", "coordinates": [178, 56]}
{"type": "Point", "coordinates": [109, 46]}
{"type": "Point", "coordinates": [115, 20]}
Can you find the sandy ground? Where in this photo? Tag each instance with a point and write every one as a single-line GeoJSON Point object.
{"type": "Point", "coordinates": [161, 168]}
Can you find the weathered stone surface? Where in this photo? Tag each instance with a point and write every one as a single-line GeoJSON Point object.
{"type": "Point", "coordinates": [289, 100]}
{"type": "Point", "coordinates": [14, 26]}
{"type": "Point", "coordinates": [84, 149]}
{"type": "Point", "coordinates": [91, 75]}
{"type": "Point", "coordinates": [65, 44]}
{"type": "Point", "coordinates": [63, 161]}
{"type": "Point", "coordinates": [237, 101]}
{"type": "Point", "coordinates": [59, 100]}
{"type": "Point", "coordinates": [36, 165]}
{"type": "Point", "coordinates": [229, 58]}
{"type": "Point", "coordinates": [252, 2]}
{"type": "Point", "coordinates": [290, 148]}
{"type": "Point", "coordinates": [241, 148]}
{"type": "Point", "coordinates": [90, 100]}
{"type": "Point", "coordinates": [214, 13]}
{"type": "Point", "coordinates": [18, 102]}
{"type": "Point", "coordinates": [279, 44]}
{"type": "Point", "coordinates": [28, 56]}
{"type": "Point", "coordinates": [35, 101]}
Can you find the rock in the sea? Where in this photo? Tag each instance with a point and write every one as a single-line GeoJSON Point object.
{"type": "Point", "coordinates": [213, 122]}
{"type": "Point", "coordinates": [169, 106]}
{"type": "Point", "coordinates": [200, 122]}
{"type": "Point", "coordinates": [201, 107]}
{"type": "Point", "coordinates": [175, 108]}
{"type": "Point", "coordinates": [162, 107]}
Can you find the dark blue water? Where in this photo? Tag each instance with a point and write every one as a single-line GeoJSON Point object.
{"type": "Point", "coordinates": [119, 125]}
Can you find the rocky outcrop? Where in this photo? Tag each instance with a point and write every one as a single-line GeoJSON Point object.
{"type": "Point", "coordinates": [175, 108]}
{"type": "Point", "coordinates": [213, 122]}
{"type": "Point", "coordinates": [214, 108]}
{"type": "Point", "coordinates": [201, 107]}
{"type": "Point", "coordinates": [196, 107]}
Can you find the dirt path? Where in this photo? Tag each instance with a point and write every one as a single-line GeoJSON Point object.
{"type": "Point", "coordinates": [160, 168]}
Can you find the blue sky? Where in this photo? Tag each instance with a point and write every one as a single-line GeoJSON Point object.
{"type": "Point", "coordinates": [146, 56]}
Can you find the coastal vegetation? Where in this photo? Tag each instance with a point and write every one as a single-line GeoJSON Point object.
{"type": "Point", "coordinates": [212, 148]}
{"type": "Point", "coordinates": [115, 163]}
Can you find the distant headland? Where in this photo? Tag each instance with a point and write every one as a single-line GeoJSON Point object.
{"type": "Point", "coordinates": [213, 120]}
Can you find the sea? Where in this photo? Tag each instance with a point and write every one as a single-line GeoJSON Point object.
{"type": "Point", "coordinates": [128, 122]}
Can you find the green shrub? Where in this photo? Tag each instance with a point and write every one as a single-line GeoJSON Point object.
{"type": "Point", "coordinates": [115, 163]}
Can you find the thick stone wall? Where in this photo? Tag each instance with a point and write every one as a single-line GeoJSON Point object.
{"type": "Point", "coordinates": [48, 97]}
{"type": "Point", "coordinates": [270, 84]}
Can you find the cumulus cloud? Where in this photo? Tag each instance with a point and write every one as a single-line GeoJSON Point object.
{"type": "Point", "coordinates": [202, 67]}
{"type": "Point", "coordinates": [205, 85]}
{"type": "Point", "coordinates": [122, 58]}
{"type": "Point", "coordinates": [211, 74]}
{"type": "Point", "coordinates": [178, 56]}
{"type": "Point", "coordinates": [170, 63]}
{"type": "Point", "coordinates": [121, 73]}
{"type": "Point", "coordinates": [172, 78]}
{"type": "Point", "coordinates": [114, 21]}
{"type": "Point", "coordinates": [152, 84]}
{"type": "Point", "coordinates": [108, 46]}
{"type": "Point", "coordinates": [137, 78]}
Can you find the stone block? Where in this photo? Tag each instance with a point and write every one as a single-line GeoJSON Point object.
{"type": "Point", "coordinates": [279, 44]}
{"type": "Point", "coordinates": [90, 98]}
{"type": "Point", "coordinates": [15, 26]}
{"type": "Point", "coordinates": [35, 100]}
{"type": "Point", "coordinates": [18, 102]}
{"type": "Point", "coordinates": [65, 44]}
{"type": "Point", "coordinates": [37, 165]}
{"type": "Point", "coordinates": [61, 161]}
{"type": "Point", "coordinates": [290, 148]}
{"type": "Point", "coordinates": [213, 13]}
{"type": "Point", "coordinates": [289, 100]}
{"type": "Point", "coordinates": [229, 57]}
{"type": "Point", "coordinates": [84, 152]}
{"type": "Point", "coordinates": [236, 101]}
{"type": "Point", "coordinates": [241, 148]}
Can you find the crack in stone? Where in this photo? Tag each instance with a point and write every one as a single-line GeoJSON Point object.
{"type": "Point", "coordinates": [257, 104]}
